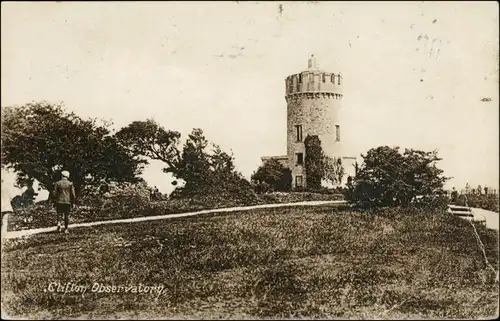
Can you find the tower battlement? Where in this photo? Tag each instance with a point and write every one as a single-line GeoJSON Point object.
{"type": "Point", "coordinates": [314, 80]}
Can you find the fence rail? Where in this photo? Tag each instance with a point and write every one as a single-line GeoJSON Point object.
{"type": "Point", "coordinates": [463, 211]}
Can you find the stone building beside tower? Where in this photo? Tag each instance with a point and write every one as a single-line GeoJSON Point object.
{"type": "Point", "coordinates": [313, 98]}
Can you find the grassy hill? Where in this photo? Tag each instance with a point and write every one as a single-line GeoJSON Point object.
{"type": "Point", "coordinates": [313, 262]}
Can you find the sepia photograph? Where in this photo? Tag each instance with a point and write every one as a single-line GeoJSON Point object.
{"type": "Point", "coordinates": [250, 160]}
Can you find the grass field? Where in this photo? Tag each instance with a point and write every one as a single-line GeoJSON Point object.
{"type": "Point", "coordinates": [312, 262]}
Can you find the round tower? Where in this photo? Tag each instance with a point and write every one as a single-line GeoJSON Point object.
{"type": "Point", "coordinates": [313, 99]}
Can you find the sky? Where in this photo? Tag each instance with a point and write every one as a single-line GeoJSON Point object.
{"type": "Point", "coordinates": [416, 74]}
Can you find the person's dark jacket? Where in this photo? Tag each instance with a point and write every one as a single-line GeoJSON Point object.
{"type": "Point", "coordinates": [64, 192]}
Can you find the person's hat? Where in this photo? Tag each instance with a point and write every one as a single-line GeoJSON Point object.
{"type": "Point", "coordinates": [65, 174]}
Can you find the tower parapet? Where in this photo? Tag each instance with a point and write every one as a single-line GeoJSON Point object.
{"type": "Point", "coordinates": [314, 80]}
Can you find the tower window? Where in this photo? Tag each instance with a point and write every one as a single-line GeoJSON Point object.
{"type": "Point", "coordinates": [324, 77]}
{"type": "Point", "coordinates": [298, 130]}
{"type": "Point", "coordinates": [337, 133]}
{"type": "Point", "coordinates": [338, 80]}
{"type": "Point", "coordinates": [333, 78]}
{"type": "Point", "coordinates": [300, 78]}
{"type": "Point", "coordinates": [298, 181]}
{"type": "Point", "coordinates": [300, 158]}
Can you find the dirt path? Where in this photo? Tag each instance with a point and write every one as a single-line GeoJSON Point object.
{"type": "Point", "coordinates": [16, 234]}
{"type": "Point", "coordinates": [491, 217]}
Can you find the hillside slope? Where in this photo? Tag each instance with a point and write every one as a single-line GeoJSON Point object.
{"type": "Point", "coordinates": [283, 262]}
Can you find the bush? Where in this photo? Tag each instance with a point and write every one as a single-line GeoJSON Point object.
{"type": "Point", "coordinates": [272, 176]}
{"type": "Point", "coordinates": [487, 202]}
{"type": "Point", "coordinates": [280, 198]}
{"type": "Point", "coordinates": [37, 215]}
{"type": "Point", "coordinates": [390, 178]}
{"type": "Point", "coordinates": [125, 201]}
{"type": "Point", "coordinates": [220, 188]}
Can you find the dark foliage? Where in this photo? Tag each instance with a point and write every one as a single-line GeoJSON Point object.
{"type": "Point", "coordinates": [390, 178]}
{"type": "Point", "coordinates": [206, 172]}
{"type": "Point", "coordinates": [313, 161]}
{"type": "Point", "coordinates": [39, 140]}
{"type": "Point", "coordinates": [487, 202]}
{"type": "Point", "coordinates": [272, 177]}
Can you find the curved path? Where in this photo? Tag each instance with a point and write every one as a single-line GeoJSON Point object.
{"type": "Point", "coordinates": [490, 216]}
{"type": "Point", "coordinates": [16, 234]}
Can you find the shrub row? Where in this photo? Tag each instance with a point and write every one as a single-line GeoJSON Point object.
{"type": "Point", "coordinates": [487, 202]}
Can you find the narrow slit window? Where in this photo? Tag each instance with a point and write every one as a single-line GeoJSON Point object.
{"type": "Point", "coordinates": [338, 79]}
{"type": "Point", "coordinates": [298, 130]}
{"type": "Point", "coordinates": [333, 78]}
{"type": "Point", "coordinates": [337, 133]}
{"type": "Point", "coordinates": [324, 78]}
{"type": "Point", "coordinates": [300, 158]}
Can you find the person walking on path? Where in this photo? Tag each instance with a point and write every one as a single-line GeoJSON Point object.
{"type": "Point", "coordinates": [64, 198]}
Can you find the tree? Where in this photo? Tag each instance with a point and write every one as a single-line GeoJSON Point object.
{"type": "Point", "coordinates": [314, 162]}
{"type": "Point", "coordinates": [389, 178]}
{"type": "Point", "coordinates": [204, 167]}
{"type": "Point", "coordinates": [320, 166]}
{"type": "Point", "coordinates": [271, 175]}
{"type": "Point", "coordinates": [209, 172]}
{"type": "Point", "coordinates": [148, 139]}
{"type": "Point", "coordinates": [195, 164]}
{"type": "Point", "coordinates": [39, 140]}
{"type": "Point", "coordinates": [333, 171]}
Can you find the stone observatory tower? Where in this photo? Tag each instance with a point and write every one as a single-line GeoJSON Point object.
{"type": "Point", "coordinates": [313, 99]}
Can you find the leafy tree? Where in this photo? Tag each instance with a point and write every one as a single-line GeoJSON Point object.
{"type": "Point", "coordinates": [271, 175]}
{"type": "Point", "coordinates": [191, 163]}
{"type": "Point", "coordinates": [195, 164]}
{"type": "Point", "coordinates": [390, 178]}
{"type": "Point", "coordinates": [333, 171]}
{"type": "Point", "coordinates": [150, 140]}
{"type": "Point", "coordinates": [39, 140]}
{"type": "Point", "coordinates": [313, 162]}
{"type": "Point", "coordinates": [320, 166]}
{"type": "Point", "coordinates": [204, 167]}
{"type": "Point", "coordinates": [210, 172]}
